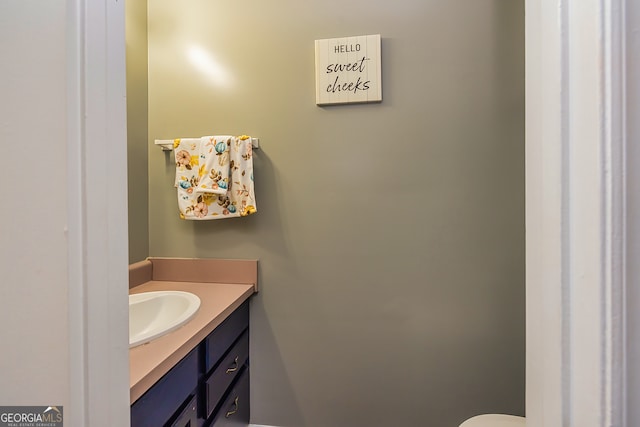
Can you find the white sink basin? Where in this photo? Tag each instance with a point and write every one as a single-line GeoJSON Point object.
{"type": "Point", "coordinates": [154, 314]}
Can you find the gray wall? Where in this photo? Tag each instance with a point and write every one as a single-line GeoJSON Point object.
{"type": "Point", "coordinates": [137, 129]}
{"type": "Point", "coordinates": [390, 236]}
{"type": "Point", "coordinates": [34, 264]}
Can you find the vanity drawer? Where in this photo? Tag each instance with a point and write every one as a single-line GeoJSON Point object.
{"type": "Point", "coordinates": [217, 343]}
{"type": "Point", "coordinates": [234, 412]}
{"type": "Point", "coordinates": [168, 395]}
{"type": "Point", "coordinates": [221, 378]}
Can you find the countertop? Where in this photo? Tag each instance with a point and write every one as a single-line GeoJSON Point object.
{"type": "Point", "coordinates": [149, 362]}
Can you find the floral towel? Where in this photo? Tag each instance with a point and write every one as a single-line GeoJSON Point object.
{"type": "Point", "coordinates": [214, 177]}
{"type": "Point", "coordinates": [214, 157]}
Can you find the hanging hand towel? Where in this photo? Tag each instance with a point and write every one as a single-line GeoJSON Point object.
{"type": "Point", "coordinates": [204, 166]}
{"type": "Point", "coordinates": [214, 156]}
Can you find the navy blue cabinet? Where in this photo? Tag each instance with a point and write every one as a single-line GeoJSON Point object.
{"type": "Point", "coordinates": [189, 416]}
{"type": "Point", "coordinates": [208, 387]}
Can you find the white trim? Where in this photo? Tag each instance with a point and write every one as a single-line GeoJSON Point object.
{"type": "Point", "coordinates": [76, 414]}
{"type": "Point", "coordinates": [545, 154]}
{"type": "Point", "coordinates": [615, 230]}
{"type": "Point", "coordinates": [98, 281]}
{"type": "Point", "coordinates": [632, 65]}
{"type": "Point", "coordinates": [575, 213]}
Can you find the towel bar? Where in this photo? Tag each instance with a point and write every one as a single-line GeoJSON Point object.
{"type": "Point", "coordinates": [167, 144]}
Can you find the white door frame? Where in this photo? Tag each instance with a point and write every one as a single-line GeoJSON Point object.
{"type": "Point", "coordinates": [97, 215]}
{"type": "Point", "coordinates": [575, 196]}
{"type": "Point", "coordinates": [633, 208]}
{"type": "Point", "coordinates": [575, 182]}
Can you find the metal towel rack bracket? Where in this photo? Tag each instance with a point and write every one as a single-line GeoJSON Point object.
{"type": "Point", "coordinates": [167, 144]}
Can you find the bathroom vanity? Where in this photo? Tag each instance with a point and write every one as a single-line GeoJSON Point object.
{"type": "Point", "coordinates": [197, 375]}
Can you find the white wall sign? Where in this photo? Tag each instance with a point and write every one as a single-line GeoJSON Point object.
{"type": "Point", "coordinates": [348, 70]}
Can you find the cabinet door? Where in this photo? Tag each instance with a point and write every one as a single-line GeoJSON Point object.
{"type": "Point", "coordinates": [189, 416]}
{"type": "Point", "coordinates": [160, 404]}
{"type": "Point", "coordinates": [234, 412]}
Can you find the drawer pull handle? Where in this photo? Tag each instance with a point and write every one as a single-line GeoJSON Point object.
{"type": "Point", "coordinates": [235, 409]}
{"type": "Point", "coordinates": [235, 368]}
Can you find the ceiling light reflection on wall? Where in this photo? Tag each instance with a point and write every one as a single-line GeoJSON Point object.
{"type": "Point", "coordinates": [204, 62]}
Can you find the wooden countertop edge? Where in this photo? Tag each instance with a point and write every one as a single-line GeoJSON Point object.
{"type": "Point", "coordinates": [185, 339]}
